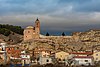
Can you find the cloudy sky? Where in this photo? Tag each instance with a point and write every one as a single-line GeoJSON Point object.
{"type": "Point", "coordinates": [54, 15]}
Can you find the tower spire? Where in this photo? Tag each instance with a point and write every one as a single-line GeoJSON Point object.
{"type": "Point", "coordinates": [37, 19]}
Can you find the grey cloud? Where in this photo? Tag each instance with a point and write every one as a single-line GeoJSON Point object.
{"type": "Point", "coordinates": [91, 6]}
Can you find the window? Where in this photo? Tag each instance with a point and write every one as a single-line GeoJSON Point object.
{"type": "Point", "coordinates": [59, 59]}
{"type": "Point", "coordinates": [96, 54]}
{"type": "Point", "coordinates": [28, 31]}
{"type": "Point", "coordinates": [86, 60]}
{"type": "Point", "coordinates": [2, 49]}
{"type": "Point", "coordinates": [96, 58]}
{"type": "Point", "coordinates": [47, 60]}
{"type": "Point", "coordinates": [8, 48]}
{"type": "Point", "coordinates": [63, 59]}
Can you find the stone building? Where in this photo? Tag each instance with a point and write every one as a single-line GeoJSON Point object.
{"type": "Point", "coordinates": [61, 56]}
{"type": "Point", "coordinates": [96, 55]}
{"type": "Point", "coordinates": [32, 32]}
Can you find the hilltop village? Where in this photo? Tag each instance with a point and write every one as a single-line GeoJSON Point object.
{"type": "Point", "coordinates": [88, 40]}
{"type": "Point", "coordinates": [81, 48]}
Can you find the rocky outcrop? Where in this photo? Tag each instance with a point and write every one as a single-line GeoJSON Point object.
{"type": "Point", "coordinates": [79, 41]}
{"type": "Point", "coordinates": [13, 38]}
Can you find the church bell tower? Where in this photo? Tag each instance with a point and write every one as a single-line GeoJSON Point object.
{"type": "Point", "coordinates": [37, 26]}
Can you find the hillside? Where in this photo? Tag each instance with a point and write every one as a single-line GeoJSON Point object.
{"type": "Point", "coordinates": [13, 38]}
{"type": "Point", "coordinates": [11, 34]}
{"type": "Point", "coordinates": [79, 41]}
{"type": "Point", "coordinates": [6, 29]}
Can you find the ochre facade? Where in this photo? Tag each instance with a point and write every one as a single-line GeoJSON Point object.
{"type": "Point", "coordinates": [32, 32]}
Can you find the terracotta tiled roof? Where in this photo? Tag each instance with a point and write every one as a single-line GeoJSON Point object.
{"type": "Point", "coordinates": [24, 58]}
{"type": "Point", "coordinates": [83, 56]}
{"type": "Point", "coordinates": [82, 53]}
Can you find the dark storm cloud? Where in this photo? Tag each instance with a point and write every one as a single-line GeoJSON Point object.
{"type": "Point", "coordinates": [91, 6]}
{"type": "Point", "coordinates": [61, 15]}
{"type": "Point", "coordinates": [27, 6]}
{"type": "Point", "coordinates": [46, 7]}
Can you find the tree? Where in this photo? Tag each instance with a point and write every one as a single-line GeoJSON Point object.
{"type": "Point", "coordinates": [6, 28]}
{"type": "Point", "coordinates": [4, 31]}
{"type": "Point", "coordinates": [63, 34]}
{"type": "Point", "coordinates": [47, 34]}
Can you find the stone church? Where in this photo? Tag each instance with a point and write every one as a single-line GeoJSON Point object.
{"type": "Point", "coordinates": [32, 32]}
